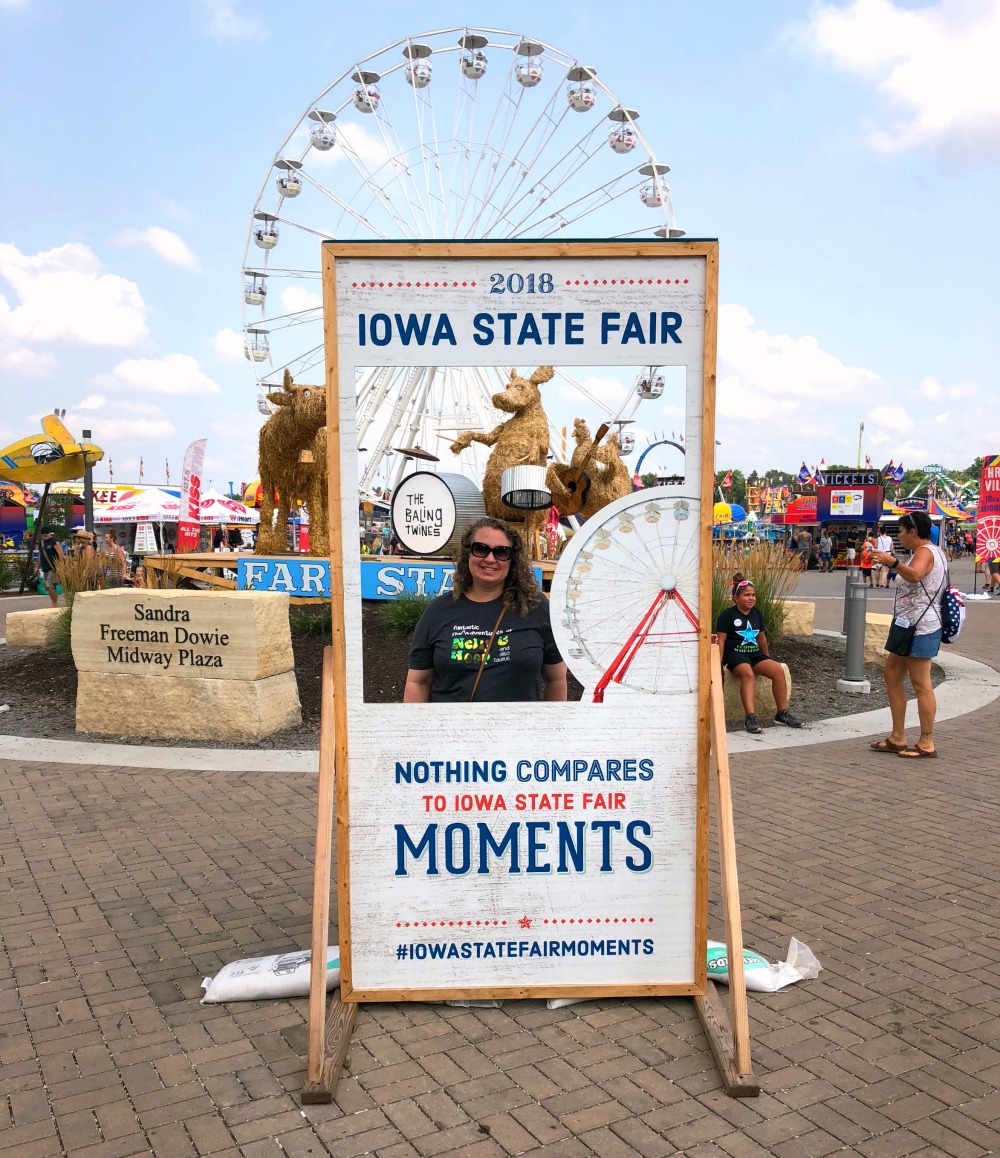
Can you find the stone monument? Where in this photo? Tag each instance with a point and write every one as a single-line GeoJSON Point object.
{"type": "Point", "coordinates": [194, 665]}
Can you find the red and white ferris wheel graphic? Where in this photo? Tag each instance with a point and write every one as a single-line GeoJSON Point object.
{"type": "Point", "coordinates": [625, 596]}
{"type": "Point", "coordinates": [988, 537]}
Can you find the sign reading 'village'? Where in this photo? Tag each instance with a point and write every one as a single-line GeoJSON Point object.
{"type": "Point", "coordinates": [177, 633]}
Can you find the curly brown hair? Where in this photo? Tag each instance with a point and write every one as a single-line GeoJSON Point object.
{"type": "Point", "coordinates": [520, 591]}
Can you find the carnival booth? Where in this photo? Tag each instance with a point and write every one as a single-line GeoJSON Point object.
{"type": "Point", "coordinates": [140, 521]}
{"type": "Point", "coordinates": [218, 510]}
{"type": "Point", "coordinates": [849, 504]}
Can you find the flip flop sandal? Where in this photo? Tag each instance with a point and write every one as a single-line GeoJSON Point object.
{"type": "Point", "coordinates": [917, 753]}
{"type": "Point", "coordinates": [887, 745]}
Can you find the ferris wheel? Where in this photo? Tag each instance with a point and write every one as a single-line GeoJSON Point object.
{"type": "Point", "coordinates": [457, 133]}
{"type": "Point", "coordinates": [625, 599]}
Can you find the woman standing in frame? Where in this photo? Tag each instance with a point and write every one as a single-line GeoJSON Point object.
{"type": "Point", "coordinates": [489, 638]}
{"type": "Point", "coordinates": [918, 602]}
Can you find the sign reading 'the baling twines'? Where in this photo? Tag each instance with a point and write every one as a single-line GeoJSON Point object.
{"type": "Point", "coordinates": [423, 513]}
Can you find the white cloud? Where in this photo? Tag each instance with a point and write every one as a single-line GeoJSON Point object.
{"type": "Point", "coordinates": [608, 390]}
{"type": "Point", "coordinates": [120, 419]}
{"type": "Point", "coordinates": [941, 419]}
{"type": "Point", "coordinates": [163, 242]}
{"type": "Point", "coordinates": [776, 394]}
{"type": "Point", "coordinates": [295, 299]}
{"type": "Point", "coordinates": [175, 374]}
{"type": "Point", "coordinates": [352, 138]}
{"type": "Point", "coordinates": [226, 23]}
{"type": "Point", "coordinates": [777, 367]}
{"type": "Point", "coordinates": [889, 418]}
{"type": "Point", "coordinates": [931, 388]}
{"type": "Point", "coordinates": [935, 65]}
{"type": "Point", "coordinates": [233, 445]}
{"type": "Point", "coordinates": [963, 390]}
{"type": "Point", "coordinates": [13, 3]}
{"type": "Point", "coordinates": [61, 296]}
{"type": "Point", "coordinates": [24, 361]}
{"type": "Point", "coordinates": [229, 345]}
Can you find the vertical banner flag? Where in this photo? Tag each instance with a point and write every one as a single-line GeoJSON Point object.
{"type": "Point", "coordinates": [727, 482]}
{"type": "Point", "coordinates": [988, 511]}
{"type": "Point", "coordinates": [189, 525]}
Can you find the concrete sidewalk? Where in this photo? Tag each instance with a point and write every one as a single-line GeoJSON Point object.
{"type": "Point", "coordinates": [123, 889]}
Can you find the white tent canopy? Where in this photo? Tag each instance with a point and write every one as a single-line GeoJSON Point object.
{"type": "Point", "coordinates": [219, 508]}
{"type": "Point", "coordinates": [148, 506]}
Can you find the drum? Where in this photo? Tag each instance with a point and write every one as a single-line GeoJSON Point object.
{"type": "Point", "coordinates": [431, 512]}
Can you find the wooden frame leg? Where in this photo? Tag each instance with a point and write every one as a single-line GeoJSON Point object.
{"type": "Point", "coordinates": [336, 1042]}
{"type": "Point", "coordinates": [730, 1044]}
{"type": "Point", "coordinates": [329, 1033]}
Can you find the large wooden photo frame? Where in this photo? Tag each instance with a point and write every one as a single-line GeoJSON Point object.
{"type": "Point", "coordinates": [371, 744]}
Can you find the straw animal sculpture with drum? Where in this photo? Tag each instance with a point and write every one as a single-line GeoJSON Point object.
{"type": "Point", "coordinates": [609, 476]}
{"type": "Point", "coordinates": [293, 428]}
{"type": "Point", "coordinates": [522, 440]}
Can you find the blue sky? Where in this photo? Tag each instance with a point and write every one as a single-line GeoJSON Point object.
{"type": "Point", "coordinates": [845, 154]}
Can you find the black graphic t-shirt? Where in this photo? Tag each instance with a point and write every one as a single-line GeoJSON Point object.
{"type": "Point", "coordinates": [742, 632]}
{"type": "Point", "coordinates": [452, 635]}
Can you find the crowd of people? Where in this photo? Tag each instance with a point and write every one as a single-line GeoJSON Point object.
{"type": "Point", "coordinates": [490, 637]}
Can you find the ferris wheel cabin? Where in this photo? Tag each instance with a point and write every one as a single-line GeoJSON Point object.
{"type": "Point", "coordinates": [366, 96]}
{"type": "Point", "coordinates": [323, 135]}
{"type": "Point", "coordinates": [289, 183]}
{"type": "Point", "coordinates": [265, 232]}
{"type": "Point", "coordinates": [474, 62]}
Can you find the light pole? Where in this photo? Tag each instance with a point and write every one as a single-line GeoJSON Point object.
{"type": "Point", "coordinates": [88, 489]}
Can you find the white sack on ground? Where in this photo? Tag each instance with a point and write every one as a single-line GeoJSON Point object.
{"type": "Point", "coordinates": [761, 977]}
{"type": "Point", "coordinates": [258, 978]}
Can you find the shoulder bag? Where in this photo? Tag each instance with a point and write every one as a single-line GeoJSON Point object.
{"type": "Point", "coordinates": [899, 641]}
{"type": "Point", "coordinates": [485, 656]}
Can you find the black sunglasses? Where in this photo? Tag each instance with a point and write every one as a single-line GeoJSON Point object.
{"type": "Point", "coordinates": [484, 550]}
{"type": "Point", "coordinates": [908, 524]}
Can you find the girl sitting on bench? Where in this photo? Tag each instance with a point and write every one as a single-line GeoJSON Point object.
{"type": "Point", "coordinates": [745, 651]}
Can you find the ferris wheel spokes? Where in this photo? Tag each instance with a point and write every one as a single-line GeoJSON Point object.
{"type": "Point", "coordinates": [486, 148]}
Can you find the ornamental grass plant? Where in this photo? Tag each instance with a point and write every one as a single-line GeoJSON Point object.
{"type": "Point", "coordinates": [77, 570]}
{"type": "Point", "coordinates": [9, 570]}
{"type": "Point", "coordinates": [401, 615]}
{"type": "Point", "coordinates": [165, 577]}
{"type": "Point", "coordinates": [772, 571]}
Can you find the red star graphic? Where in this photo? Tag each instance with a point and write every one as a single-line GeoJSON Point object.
{"type": "Point", "coordinates": [525, 922]}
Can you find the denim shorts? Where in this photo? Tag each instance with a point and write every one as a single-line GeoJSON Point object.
{"type": "Point", "coordinates": [926, 646]}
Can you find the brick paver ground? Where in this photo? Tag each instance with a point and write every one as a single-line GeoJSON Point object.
{"type": "Point", "coordinates": [120, 890]}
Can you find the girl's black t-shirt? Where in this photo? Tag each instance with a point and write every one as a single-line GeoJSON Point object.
{"type": "Point", "coordinates": [741, 632]}
{"type": "Point", "coordinates": [452, 635]}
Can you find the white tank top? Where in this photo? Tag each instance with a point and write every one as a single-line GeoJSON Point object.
{"type": "Point", "coordinates": [922, 601]}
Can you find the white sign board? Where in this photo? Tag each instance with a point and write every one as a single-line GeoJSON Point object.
{"type": "Point", "coordinates": [847, 502]}
{"type": "Point", "coordinates": [145, 539]}
{"type": "Point", "coordinates": [423, 513]}
{"type": "Point", "coordinates": [536, 848]}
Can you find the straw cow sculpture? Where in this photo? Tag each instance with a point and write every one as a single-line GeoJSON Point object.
{"type": "Point", "coordinates": [603, 466]}
{"type": "Point", "coordinates": [523, 440]}
{"type": "Point", "coordinates": [298, 424]}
